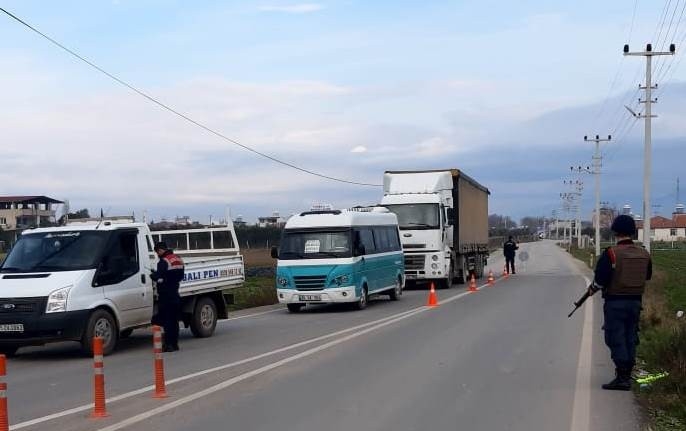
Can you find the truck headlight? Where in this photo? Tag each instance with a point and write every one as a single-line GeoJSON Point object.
{"type": "Point", "coordinates": [434, 266]}
{"type": "Point", "coordinates": [57, 301]}
{"type": "Point", "coordinates": [434, 258]}
{"type": "Point", "coordinates": [283, 281]}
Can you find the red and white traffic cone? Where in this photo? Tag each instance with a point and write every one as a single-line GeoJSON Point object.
{"type": "Point", "coordinates": [160, 388]}
{"type": "Point", "coordinates": [99, 408]}
{"type": "Point", "coordinates": [472, 285]}
{"type": "Point", "coordinates": [4, 416]}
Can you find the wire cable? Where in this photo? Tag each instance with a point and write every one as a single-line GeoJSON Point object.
{"type": "Point", "coordinates": [176, 112]}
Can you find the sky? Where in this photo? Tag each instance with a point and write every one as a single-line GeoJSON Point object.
{"type": "Point", "coordinates": [502, 90]}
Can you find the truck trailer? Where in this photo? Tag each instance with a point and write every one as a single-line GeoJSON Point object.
{"type": "Point", "coordinates": [443, 221]}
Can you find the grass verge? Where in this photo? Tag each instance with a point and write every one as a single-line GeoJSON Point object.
{"type": "Point", "coordinates": [255, 292]}
{"type": "Point", "coordinates": [663, 339]}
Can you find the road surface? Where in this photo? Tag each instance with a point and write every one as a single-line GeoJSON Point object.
{"type": "Point", "coordinates": [503, 358]}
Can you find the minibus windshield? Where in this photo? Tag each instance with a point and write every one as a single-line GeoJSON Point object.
{"type": "Point", "coordinates": [56, 251]}
{"type": "Point", "coordinates": [315, 244]}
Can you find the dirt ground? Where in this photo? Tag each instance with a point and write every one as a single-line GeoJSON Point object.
{"type": "Point", "coordinates": [257, 257]}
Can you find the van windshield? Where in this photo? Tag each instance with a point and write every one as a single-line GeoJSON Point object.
{"type": "Point", "coordinates": [416, 216]}
{"type": "Point", "coordinates": [310, 244]}
{"type": "Point", "coordinates": [56, 251]}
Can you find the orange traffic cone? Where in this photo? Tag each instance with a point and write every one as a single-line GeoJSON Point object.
{"type": "Point", "coordinates": [433, 298]}
{"type": "Point", "coordinates": [491, 278]}
{"type": "Point", "coordinates": [472, 285]}
{"type": "Point", "coordinates": [505, 273]}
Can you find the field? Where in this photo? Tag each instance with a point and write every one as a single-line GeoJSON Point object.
{"type": "Point", "coordinates": [259, 288]}
{"type": "Point", "coordinates": [663, 337]}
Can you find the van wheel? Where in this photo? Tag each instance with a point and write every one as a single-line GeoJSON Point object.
{"type": "Point", "coordinates": [361, 303]}
{"type": "Point", "coordinates": [100, 324]}
{"type": "Point", "coordinates": [294, 308]}
{"type": "Point", "coordinates": [397, 291]}
{"type": "Point", "coordinates": [204, 319]}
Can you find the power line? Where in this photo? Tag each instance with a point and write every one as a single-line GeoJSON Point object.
{"type": "Point", "coordinates": [667, 36]}
{"type": "Point", "coordinates": [174, 111]}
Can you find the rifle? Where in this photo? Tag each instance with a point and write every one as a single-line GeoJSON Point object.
{"type": "Point", "coordinates": [581, 300]}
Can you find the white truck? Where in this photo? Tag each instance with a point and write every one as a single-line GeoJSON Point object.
{"type": "Point", "coordinates": [92, 278]}
{"type": "Point", "coordinates": [443, 220]}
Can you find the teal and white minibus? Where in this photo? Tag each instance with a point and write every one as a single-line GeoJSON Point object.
{"type": "Point", "coordinates": [335, 256]}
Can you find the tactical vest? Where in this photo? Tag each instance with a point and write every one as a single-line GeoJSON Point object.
{"type": "Point", "coordinates": [630, 269]}
{"type": "Point", "coordinates": [175, 265]}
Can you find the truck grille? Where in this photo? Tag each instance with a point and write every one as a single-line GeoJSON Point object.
{"type": "Point", "coordinates": [21, 305]}
{"type": "Point", "coordinates": [310, 282]}
{"type": "Point", "coordinates": [414, 262]}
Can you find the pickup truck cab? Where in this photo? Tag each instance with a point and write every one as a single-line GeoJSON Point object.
{"type": "Point", "coordinates": [92, 278]}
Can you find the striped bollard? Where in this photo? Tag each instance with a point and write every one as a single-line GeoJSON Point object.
{"type": "Point", "coordinates": [160, 389]}
{"type": "Point", "coordinates": [99, 409]}
{"type": "Point", "coordinates": [4, 417]}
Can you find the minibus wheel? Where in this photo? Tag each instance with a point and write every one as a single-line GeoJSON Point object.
{"type": "Point", "coordinates": [397, 291]}
{"type": "Point", "coordinates": [361, 303]}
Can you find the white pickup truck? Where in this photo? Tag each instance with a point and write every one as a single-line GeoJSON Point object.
{"type": "Point", "coordinates": [92, 278]}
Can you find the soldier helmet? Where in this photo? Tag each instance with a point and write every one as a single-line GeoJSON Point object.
{"type": "Point", "coordinates": [624, 225]}
{"type": "Point", "coordinates": [161, 246]}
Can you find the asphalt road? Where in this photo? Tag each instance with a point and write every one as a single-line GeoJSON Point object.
{"type": "Point", "coordinates": [503, 358]}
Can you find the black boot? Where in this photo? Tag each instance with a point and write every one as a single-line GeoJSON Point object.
{"type": "Point", "coordinates": [622, 382]}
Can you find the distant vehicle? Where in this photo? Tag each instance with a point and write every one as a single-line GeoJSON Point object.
{"type": "Point", "coordinates": [443, 220]}
{"type": "Point", "coordinates": [334, 256]}
{"type": "Point", "coordinates": [91, 278]}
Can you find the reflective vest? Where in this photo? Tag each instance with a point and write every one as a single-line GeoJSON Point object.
{"type": "Point", "coordinates": [630, 269]}
{"type": "Point", "coordinates": [175, 267]}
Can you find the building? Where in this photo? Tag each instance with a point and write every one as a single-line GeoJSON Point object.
{"type": "Point", "coordinates": [19, 212]}
{"type": "Point", "coordinates": [664, 229]}
{"type": "Point", "coordinates": [239, 222]}
{"type": "Point", "coordinates": [273, 220]}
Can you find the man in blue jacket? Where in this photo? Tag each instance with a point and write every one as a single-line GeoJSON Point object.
{"type": "Point", "coordinates": [168, 276]}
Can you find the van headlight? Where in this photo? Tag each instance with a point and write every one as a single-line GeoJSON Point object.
{"type": "Point", "coordinates": [342, 279]}
{"type": "Point", "coordinates": [57, 301]}
{"type": "Point", "coordinates": [434, 258]}
{"type": "Point", "coordinates": [283, 281]}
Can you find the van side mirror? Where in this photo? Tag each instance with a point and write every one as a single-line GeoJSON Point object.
{"type": "Point", "coordinates": [275, 252]}
{"type": "Point", "coordinates": [451, 216]}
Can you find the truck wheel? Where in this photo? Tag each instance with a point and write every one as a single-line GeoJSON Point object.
{"type": "Point", "coordinates": [361, 303]}
{"type": "Point", "coordinates": [100, 324]}
{"type": "Point", "coordinates": [204, 318]}
{"type": "Point", "coordinates": [294, 308]}
{"type": "Point", "coordinates": [397, 290]}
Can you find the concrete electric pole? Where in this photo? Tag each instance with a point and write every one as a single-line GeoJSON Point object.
{"type": "Point", "coordinates": [648, 116]}
{"type": "Point", "coordinates": [597, 164]}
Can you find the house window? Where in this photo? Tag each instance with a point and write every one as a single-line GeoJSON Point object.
{"type": "Point", "coordinates": [3, 220]}
{"type": "Point", "coordinates": [672, 232]}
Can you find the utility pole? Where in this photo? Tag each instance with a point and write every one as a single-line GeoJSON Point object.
{"type": "Point", "coordinates": [597, 164]}
{"type": "Point", "coordinates": [575, 197]}
{"type": "Point", "coordinates": [648, 116]}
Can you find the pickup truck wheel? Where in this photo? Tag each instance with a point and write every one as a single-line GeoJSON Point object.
{"type": "Point", "coordinates": [397, 291]}
{"type": "Point", "coordinates": [100, 324]}
{"type": "Point", "coordinates": [294, 308]}
{"type": "Point", "coordinates": [204, 319]}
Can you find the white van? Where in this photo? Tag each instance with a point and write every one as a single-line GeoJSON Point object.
{"type": "Point", "coordinates": [92, 278]}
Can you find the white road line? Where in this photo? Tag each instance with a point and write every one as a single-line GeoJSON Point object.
{"type": "Point", "coordinates": [143, 390]}
{"type": "Point", "coordinates": [252, 315]}
{"type": "Point", "coordinates": [581, 410]}
{"type": "Point", "coordinates": [232, 381]}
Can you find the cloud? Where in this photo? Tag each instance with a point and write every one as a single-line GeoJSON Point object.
{"type": "Point", "coordinates": [299, 8]}
{"type": "Point", "coordinates": [359, 149]}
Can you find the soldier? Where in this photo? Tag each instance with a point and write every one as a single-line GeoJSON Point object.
{"type": "Point", "coordinates": [509, 249]}
{"type": "Point", "coordinates": [168, 276]}
{"type": "Point", "coordinates": [621, 273]}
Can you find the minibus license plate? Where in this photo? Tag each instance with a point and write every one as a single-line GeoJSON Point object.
{"type": "Point", "coordinates": [310, 297]}
{"type": "Point", "coordinates": [14, 327]}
